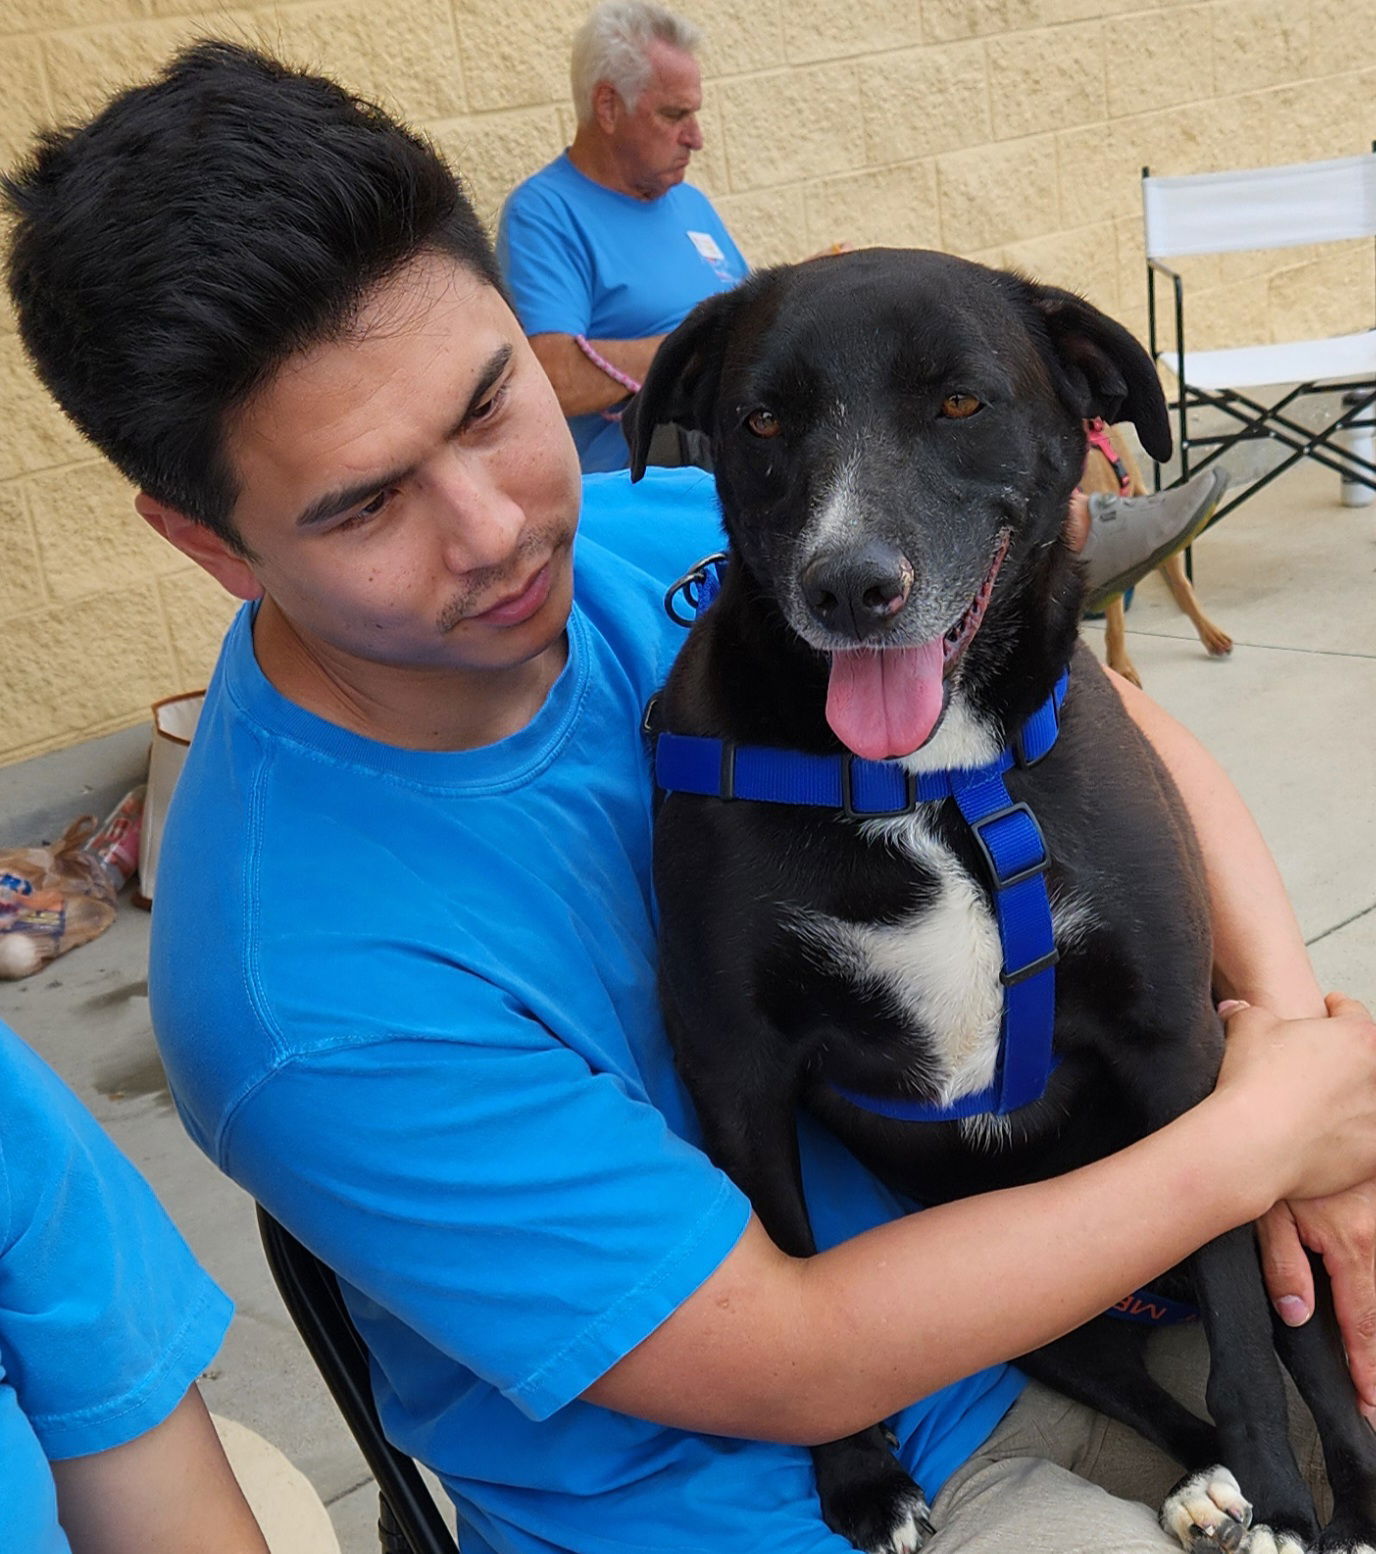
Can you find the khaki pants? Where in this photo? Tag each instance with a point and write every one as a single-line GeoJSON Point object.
{"type": "Point", "coordinates": [1059, 1478]}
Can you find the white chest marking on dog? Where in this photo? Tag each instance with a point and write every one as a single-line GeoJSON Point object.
{"type": "Point", "coordinates": [940, 967]}
{"type": "Point", "coordinates": [962, 740]}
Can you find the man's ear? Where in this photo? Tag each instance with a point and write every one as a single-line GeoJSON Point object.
{"type": "Point", "coordinates": [206, 548]}
{"type": "Point", "coordinates": [606, 106]}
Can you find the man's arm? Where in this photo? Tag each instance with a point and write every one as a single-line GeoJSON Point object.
{"type": "Point", "coordinates": [1259, 956]}
{"type": "Point", "coordinates": [575, 1247]}
{"type": "Point", "coordinates": [169, 1491]}
{"type": "Point", "coordinates": [810, 1350]}
{"type": "Point", "coordinates": [1259, 952]}
{"type": "Point", "coordinates": [582, 387]}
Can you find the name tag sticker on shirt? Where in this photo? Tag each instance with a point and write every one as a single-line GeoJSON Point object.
{"type": "Point", "coordinates": [707, 246]}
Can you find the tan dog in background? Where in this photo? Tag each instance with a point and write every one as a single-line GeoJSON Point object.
{"type": "Point", "coordinates": [1100, 475]}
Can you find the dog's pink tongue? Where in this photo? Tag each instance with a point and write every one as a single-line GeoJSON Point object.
{"type": "Point", "coordinates": [883, 703]}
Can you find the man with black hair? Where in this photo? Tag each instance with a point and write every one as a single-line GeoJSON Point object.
{"type": "Point", "coordinates": [403, 964]}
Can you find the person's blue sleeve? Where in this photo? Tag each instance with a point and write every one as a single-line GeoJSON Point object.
{"type": "Point", "coordinates": [520, 1212]}
{"type": "Point", "coordinates": [106, 1319]}
{"type": "Point", "coordinates": [664, 522]}
{"type": "Point", "coordinates": [547, 270]}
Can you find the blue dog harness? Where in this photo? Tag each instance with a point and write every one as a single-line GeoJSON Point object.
{"type": "Point", "coordinates": [1007, 834]}
{"type": "Point", "coordinates": [1009, 839]}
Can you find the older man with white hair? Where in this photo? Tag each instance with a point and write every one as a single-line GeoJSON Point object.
{"type": "Point", "coordinates": [607, 249]}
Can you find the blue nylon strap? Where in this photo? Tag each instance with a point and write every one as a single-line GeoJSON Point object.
{"type": "Point", "coordinates": [1041, 730]}
{"type": "Point", "coordinates": [900, 1109]}
{"type": "Point", "coordinates": [1017, 857]}
{"type": "Point", "coordinates": [714, 768]}
{"type": "Point", "coordinates": [764, 774]}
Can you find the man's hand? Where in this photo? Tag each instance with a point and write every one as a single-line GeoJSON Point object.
{"type": "Point", "coordinates": [1342, 1230]}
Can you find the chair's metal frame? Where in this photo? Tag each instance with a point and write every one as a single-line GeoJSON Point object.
{"type": "Point", "coordinates": [1258, 420]}
{"type": "Point", "coordinates": [409, 1521]}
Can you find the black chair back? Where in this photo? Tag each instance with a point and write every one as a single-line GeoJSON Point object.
{"type": "Point", "coordinates": [409, 1521]}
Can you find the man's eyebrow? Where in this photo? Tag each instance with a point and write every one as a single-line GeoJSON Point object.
{"type": "Point", "coordinates": [340, 500]}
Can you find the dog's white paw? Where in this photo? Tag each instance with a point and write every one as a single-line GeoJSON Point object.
{"type": "Point", "coordinates": [1266, 1540]}
{"type": "Point", "coordinates": [1207, 1512]}
{"type": "Point", "coordinates": [910, 1529]}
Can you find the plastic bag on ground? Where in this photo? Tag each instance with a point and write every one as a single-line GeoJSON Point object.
{"type": "Point", "coordinates": [57, 897]}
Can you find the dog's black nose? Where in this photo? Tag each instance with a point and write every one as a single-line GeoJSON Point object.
{"type": "Point", "coordinates": [855, 591]}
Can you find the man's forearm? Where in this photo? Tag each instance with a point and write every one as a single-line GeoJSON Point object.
{"type": "Point", "coordinates": [809, 1350]}
{"type": "Point", "coordinates": [580, 385]}
{"type": "Point", "coordinates": [1259, 952]}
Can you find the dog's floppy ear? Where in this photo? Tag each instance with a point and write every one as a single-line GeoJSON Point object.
{"type": "Point", "coordinates": [1101, 368]}
{"type": "Point", "coordinates": [682, 381]}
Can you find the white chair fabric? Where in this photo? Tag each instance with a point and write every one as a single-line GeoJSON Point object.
{"type": "Point", "coordinates": [1260, 207]}
{"type": "Point", "coordinates": [1293, 361]}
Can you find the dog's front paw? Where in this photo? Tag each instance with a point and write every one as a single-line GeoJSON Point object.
{"type": "Point", "coordinates": [1207, 1513]}
{"type": "Point", "coordinates": [867, 1496]}
{"type": "Point", "coordinates": [1262, 1539]}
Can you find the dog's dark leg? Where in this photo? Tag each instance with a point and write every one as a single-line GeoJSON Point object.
{"type": "Point", "coordinates": [1102, 1365]}
{"type": "Point", "coordinates": [1314, 1356]}
{"type": "Point", "coordinates": [1246, 1395]}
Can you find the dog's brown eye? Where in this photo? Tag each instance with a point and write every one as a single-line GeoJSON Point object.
{"type": "Point", "coordinates": [764, 423]}
{"type": "Point", "coordinates": [958, 406]}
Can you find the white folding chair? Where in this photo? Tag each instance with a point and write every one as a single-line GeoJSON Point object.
{"type": "Point", "coordinates": [1254, 209]}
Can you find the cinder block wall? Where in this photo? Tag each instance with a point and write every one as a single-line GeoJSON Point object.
{"type": "Point", "coordinates": [1012, 131]}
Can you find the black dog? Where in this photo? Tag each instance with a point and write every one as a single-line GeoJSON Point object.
{"type": "Point", "coordinates": [896, 437]}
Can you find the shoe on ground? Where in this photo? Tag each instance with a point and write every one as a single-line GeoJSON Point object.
{"type": "Point", "coordinates": [1130, 536]}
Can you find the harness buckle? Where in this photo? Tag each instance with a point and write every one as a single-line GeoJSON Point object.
{"type": "Point", "coordinates": [848, 809]}
{"type": "Point", "coordinates": [1018, 742]}
{"type": "Point", "coordinates": [647, 719]}
{"type": "Point", "coordinates": [728, 770]}
{"type": "Point", "coordinates": [1031, 969]}
{"type": "Point", "coordinates": [1032, 869]}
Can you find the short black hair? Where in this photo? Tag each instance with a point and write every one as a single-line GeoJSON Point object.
{"type": "Point", "coordinates": [170, 254]}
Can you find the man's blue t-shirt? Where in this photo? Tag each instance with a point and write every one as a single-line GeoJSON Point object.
{"type": "Point", "coordinates": [582, 259]}
{"type": "Point", "coordinates": [105, 1317]}
{"type": "Point", "coordinates": [408, 1000]}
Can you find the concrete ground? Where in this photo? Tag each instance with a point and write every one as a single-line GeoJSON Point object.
{"type": "Point", "coordinates": [1291, 575]}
